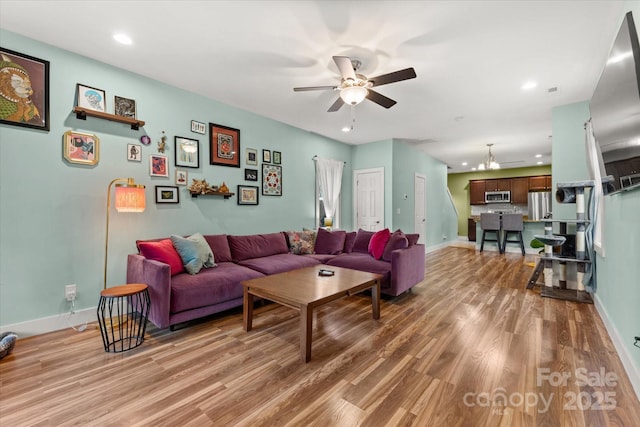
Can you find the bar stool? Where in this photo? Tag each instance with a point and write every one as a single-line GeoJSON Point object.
{"type": "Point", "coordinates": [512, 223]}
{"type": "Point", "coordinates": [490, 223]}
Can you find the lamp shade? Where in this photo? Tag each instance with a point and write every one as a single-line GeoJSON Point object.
{"type": "Point", "coordinates": [130, 198]}
{"type": "Point", "coordinates": [353, 94]}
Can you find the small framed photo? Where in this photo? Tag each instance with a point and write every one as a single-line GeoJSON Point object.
{"type": "Point", "coordinates": [198, 127]}
{"type": "Point", "coordinates": [266, 156]}
{"type": "Point", "coordinates": [166, 194]}
{"type": "Point", "coordinates": [271, 180]}
{"type": "Point", "coordinates": [181, 177]}
{"type": "Point", "coordinates": [251, 157]}
{"type": "Point", "coordinates": [277, 158]}
{"type": "Point", "coordinates": [134, 152]}
{"type": "Point", "coordinates": [247, 195]}
{"type": "Point", "coordinates": [124, 107]}
{"type": "Point", "coordinates": [187, 152]}
{"type": "Point", "coordinates": [251, 174]}
{"type": "Point", "coordinates": [158, 165]}
{"type": "Point", "coordinates": [91, 98]}
{"type": "Point", "coordinates": [224, 146]}
{"type": "Point", "coordinates": [81, 148]}
{"type": "Point", "coordinates": [28, 108]}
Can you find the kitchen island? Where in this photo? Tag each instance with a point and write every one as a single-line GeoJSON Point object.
{"type": "Point", "coordinates": [531, 228]}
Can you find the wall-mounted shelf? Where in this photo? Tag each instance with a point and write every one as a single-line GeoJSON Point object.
{"type": "Point", "coordinates": [213, 193]}
{"type": "Point", "coordinates": [82, 113]}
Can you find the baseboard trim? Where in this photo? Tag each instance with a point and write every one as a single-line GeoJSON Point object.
{"type": "Point", "coordinates": [627, 362]}
{"type": "Point", "coordinates": [439, 246]}
{"type": "Point", "coordinates": [53, 323]}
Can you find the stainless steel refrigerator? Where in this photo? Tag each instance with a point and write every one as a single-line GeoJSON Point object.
{"type": "Point", "coordinates": [539, 205]}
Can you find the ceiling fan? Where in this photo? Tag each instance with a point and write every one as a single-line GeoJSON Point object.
{"type": "Point", "coordinates": [354, 87]}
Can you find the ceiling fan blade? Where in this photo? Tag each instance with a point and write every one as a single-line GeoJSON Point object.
{"type": "Point", "coordinates": [345, 66]}
{"type": "Point", "coordinates": [396, 76]}
{"type": "Point", "coordinates": [303, 89]}
{"type": "Point", "coordinates": [336, 105]}
{"type": "Point", "coordinates": [380, 99]}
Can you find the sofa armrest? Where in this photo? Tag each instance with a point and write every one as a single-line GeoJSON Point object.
{"type": "Point", "coordinates": [407, 268]}
{"type": "Point", "coordinates": [157, 276]}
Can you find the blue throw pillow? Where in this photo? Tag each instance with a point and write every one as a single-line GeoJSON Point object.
{"type": "Point", "coordinates": [7, 342]}
{"type": "Point", "coordinates": [194, 251]}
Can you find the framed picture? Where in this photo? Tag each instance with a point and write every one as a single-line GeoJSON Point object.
{"type": "Point", "coordinates": [165, 194]}
{"type": "Point", "coordinates": [277, 158]}
{"type": "Point", "coordinates": [187, 152]}
{"type": "Point", "coordinates": [91, 98]}
{"type": "Point", "coordinates": [247, 195]}
{"type": "Point", "coordinates": [81, 148]}
{"type": "Point", "coordinates": [266, 156]}
{"type": "Point", "coordinates": [224, 147]}
{"type": "Point", "coordinates": [271, 180]}
{"type": "Point", "coordinates": [251, 174]}
{"type": "Point", "coordinates": [252, 157]}
{"type": "Point", "coordinates": [124, 107]}
{"type": "Point", "coordinates": [181, 177]}
{"type": "Point", "coordinates": [134, 152]}
{"type": "Point", "coordinates": [198, 127]}
{"type": "Point", "coordinates": [158, 165]}
{"type": "Point", "coordinates": [27, 108]}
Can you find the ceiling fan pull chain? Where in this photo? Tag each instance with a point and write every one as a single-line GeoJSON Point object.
{"type": "Point", "coordinates": [353, 115]}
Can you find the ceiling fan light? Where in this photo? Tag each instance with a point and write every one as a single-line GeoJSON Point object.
{"type": "Point", "coordinates": [353, 94]}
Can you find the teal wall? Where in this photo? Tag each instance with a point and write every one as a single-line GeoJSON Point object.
{"type": "Point", "coordinates": [618, 273]}
{"type": "Point", "coordinates": [52, 214]}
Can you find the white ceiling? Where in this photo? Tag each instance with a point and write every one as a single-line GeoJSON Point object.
{"type": "Point", "coordinates": [471, 58]}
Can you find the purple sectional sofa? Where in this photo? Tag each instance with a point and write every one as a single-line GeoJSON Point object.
{"type": "Point", "coordinates": [177, 296]}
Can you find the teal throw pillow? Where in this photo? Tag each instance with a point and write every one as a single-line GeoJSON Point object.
{"type": "Point", "coordinates": [194, 251]}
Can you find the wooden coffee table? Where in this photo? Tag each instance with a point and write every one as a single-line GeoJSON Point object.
{"type": "Point", "coordinates": [304, 289]}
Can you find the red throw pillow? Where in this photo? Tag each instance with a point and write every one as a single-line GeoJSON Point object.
{"type": "Point", "coordinates": [378, 242]}
{"type": "Point", "coordinates": [162, 251]}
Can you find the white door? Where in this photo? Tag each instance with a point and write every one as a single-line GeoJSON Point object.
{"type": "Point", "coordinates": [420, 197]}
{"type": "Point", "coordinates": [369, 200]}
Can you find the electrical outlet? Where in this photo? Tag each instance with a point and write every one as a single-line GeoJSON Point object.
{"type": "Point", "coordinates": [70, 292]}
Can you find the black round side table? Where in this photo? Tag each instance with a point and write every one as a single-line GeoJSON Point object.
{"type": "Point", "coordinates": [122, 315]}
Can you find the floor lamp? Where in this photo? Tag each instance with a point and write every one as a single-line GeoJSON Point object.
{"type": "Point", "coordinates": [130, 197]}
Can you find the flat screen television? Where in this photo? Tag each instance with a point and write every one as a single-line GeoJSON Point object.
{"type": "Point", "coordinates": [615, 110]}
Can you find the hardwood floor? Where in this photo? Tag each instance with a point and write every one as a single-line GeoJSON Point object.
{"type": "Point", "coordinates": [447, 354]}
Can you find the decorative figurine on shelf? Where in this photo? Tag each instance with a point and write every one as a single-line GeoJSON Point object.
{"type": "Point", "coordinates": [199, 186]}
{"type": "Point", "coordinates": [162, 143]}
{"type": "Point", "coordinates": [223, 188]}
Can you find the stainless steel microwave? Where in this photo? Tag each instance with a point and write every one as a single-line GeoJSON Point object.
{"type": "Point", "coordinates": [497, 197]}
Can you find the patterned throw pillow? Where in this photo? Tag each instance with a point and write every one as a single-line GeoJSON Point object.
{"type": "Point", "coordinates": [7, 342]}
{"type": "Point", "coordinates": [301, 242]}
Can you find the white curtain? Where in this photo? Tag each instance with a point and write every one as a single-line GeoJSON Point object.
{"type": "Point", "coordinates": [329, 173]}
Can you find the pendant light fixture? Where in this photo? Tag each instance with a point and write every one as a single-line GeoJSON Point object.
{"type": "Point", "coordinates": [490, 163]}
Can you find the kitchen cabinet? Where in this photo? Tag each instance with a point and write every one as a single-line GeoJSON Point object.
{"type": "Point", "coordinates": [520, 191]}
{"type": "Point", "coordinates": [497, 184]}
{"type": "Point", "coordinates": [540, 183]}
{"type": "Point", "coordinates": [476, 192]}
{"type": "Point", "coordinates": [471, 225]}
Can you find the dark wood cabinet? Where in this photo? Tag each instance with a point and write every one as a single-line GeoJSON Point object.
{"type": "Point", "coordinates": [497, 184]}
{"type": "Point", "coordinates": [540, 183]}
{"type": "Point", "coordinates": [471, 225]}
{"type": "Point", "coordinates": [520, 191]}
{"type": "Point", "coordinates": [476, 192]}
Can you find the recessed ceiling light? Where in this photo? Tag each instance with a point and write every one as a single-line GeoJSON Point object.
{"type": "Point", "coordinates": [539, 163]}
{"type": "Point", "coordinates": [529, 85]}
{"type": "Point", "coordinates": [346, 129]}
{"type": "Point", "coordinates": [473, 169]}
{"type": "Point", "coordinates": [538, 156]}
{"type": "Point", "coordinates": [123, 39]}
{"type": "Point", "coordinates": [464, 163]}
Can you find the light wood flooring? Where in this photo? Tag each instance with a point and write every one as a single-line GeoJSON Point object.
{"type": "Point", "coordinates": [447, 354]}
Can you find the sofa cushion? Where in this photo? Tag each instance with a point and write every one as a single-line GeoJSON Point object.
{"type": "Point", "coordinates": [194, 251]}
{"type": "Point", "coordinates": [279, 263]}
{"type": "Point", "coordinates": [323, 258]}
{"type": "Point", "coordinates": [363, 262]}
{"type": "Point", "coordinates": [330, 242]}
{"type": "Point", "coordinates": [378, 242]}
{"type": "Point", "coordinates": [398, 240]}
{"type": "Point", "coordinates": [257, 246]}
{"type": "Point", "coordinates": [349, 240]}
{"type": "Point", "coordinates": [220, 247]}
{"type": "Point", "coordinates": [163, 251]}
{"type": "Point", "coordinates": [361, 244]}
{"type": "Point", "coordinates": [412, 238]}
{"type": "Point", "coordinates": [301, 242]}
{"type": "Point", "coordinates": [210, 286]}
